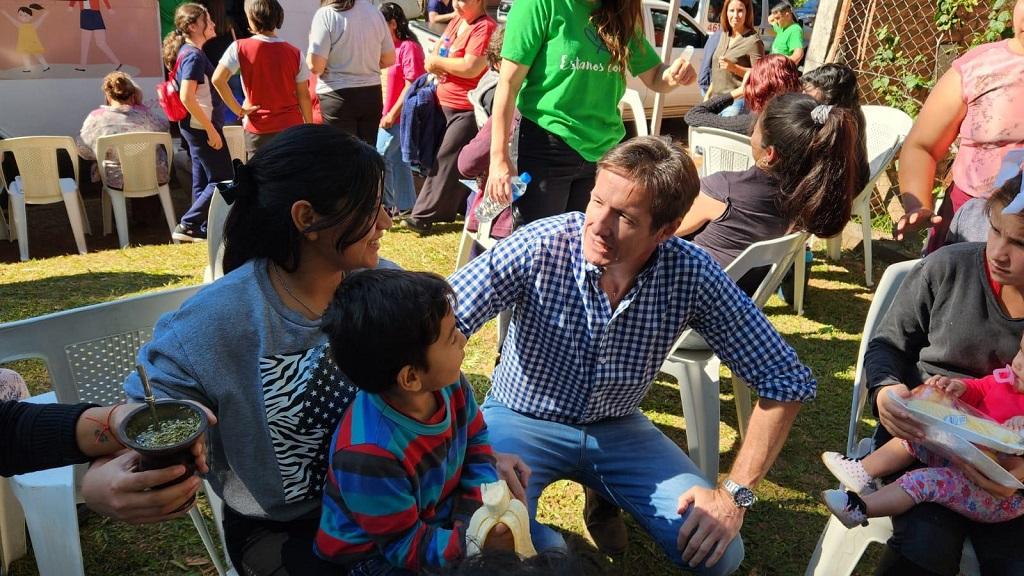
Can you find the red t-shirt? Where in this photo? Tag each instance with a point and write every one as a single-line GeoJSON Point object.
{"type": "Point", "coordinates": [408, 66]}
{"type": "Point", "coordinates": [451, 92]}
{"type": "Point", "coordinates": [269, 75]}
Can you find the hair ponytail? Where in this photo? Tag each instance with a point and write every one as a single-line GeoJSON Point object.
{"type": "Point", "coordinates": [394, 13]}
{"type": "Point", "coordinates": [184, 17]}
{"type": "Point", "coordinates": [817, 161]}
{"type": "Point", "coordinates": [617, 23]}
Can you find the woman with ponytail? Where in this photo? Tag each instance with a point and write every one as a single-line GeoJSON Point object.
{"type": "Point", "coordinates": [805, 177]}
{"type": "Point", "coordinates": [305, 211]}
{"type": "Point", "coordinates": [565, 67]}
{"type": "Point", "coordinates": [202, 129]}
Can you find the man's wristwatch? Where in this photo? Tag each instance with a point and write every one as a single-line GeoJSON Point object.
{"type": "Point", "coordinates": [742, 496]}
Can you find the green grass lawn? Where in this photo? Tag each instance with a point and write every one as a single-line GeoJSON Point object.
{"type": "Point", "coordinates": [779, 533]}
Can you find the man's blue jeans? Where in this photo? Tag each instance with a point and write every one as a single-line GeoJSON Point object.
{"type": "Point", "coordinates": [629, 461]}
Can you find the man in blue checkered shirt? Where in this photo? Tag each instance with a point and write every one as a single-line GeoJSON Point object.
{"type": "Point", "coordinates": [597, 302]}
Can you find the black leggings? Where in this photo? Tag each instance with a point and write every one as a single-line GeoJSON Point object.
{"type": "Point", "coordinates": [354, 110]}
{"type": "Point", "coordinates": [561, 179]}
{"type": "Point", "coordinates": [267, 548]}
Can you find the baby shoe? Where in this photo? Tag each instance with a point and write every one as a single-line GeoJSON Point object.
{"type": "Point", "coordinates": [846, 506]}
{"type": "Point", "coordinates": [849, 472]}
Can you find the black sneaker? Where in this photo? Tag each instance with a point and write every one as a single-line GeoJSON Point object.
{"type": "Point", "coordinates": [421, 228]}
{"type": "Point", "coordinates": [183, 233]}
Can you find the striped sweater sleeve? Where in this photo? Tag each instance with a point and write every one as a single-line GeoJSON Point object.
{"type": "Point", "coordinates": [370, 487]}
{"type": "Point", "coordinates": [478, 467]}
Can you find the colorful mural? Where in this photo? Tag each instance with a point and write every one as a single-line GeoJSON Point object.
{"type": "Point", "coordinates": [78, 38]}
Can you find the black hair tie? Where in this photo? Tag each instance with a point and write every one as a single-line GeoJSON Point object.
{"type": "Point", "coordinates": [241, 186]}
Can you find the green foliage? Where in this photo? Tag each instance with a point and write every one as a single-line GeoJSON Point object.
{"type": "Point", "coordinates": [896, 78]}
{"type": "Point", "coordinates": [1000, 23]}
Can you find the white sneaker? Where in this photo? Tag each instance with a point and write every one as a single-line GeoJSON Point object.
{"type": "Point", "coordinates": [846, 506]}
{"type": "Point", "coordinates": [849, 472]}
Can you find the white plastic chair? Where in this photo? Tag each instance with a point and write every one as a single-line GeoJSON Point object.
{"type": "Point", "coordinates": [234, 137]}
{"type": "Point", "coordinates": [215, 237]}
{"type": "Point", "coordinates": [88, 353]}
{"type": "Point", "coordinates": [631, 100]}
{"type": "Point", "coordinates": [137, 154]}
{"type": "Point", "coordinates": [696, 367]}
{"type": "Point", "coordinates": [840, 548]}
{"type": "Point", "coordinates": [482, 236]}
{"type": "Point", "coordinates": [39, 182]}
{"type": "Point", "coordinates": [886, 128]}
{"type": "Point", "coordinates": [720, 150]}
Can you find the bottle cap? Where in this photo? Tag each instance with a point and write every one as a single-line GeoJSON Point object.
{"type": "Point", "coordinates": [525, 178]}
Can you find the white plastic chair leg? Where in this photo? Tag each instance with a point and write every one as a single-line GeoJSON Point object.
{"type": "Point", "coordinates": [217, 506]}
{"type": "Point", "coordinates": [834, 246]}
{"type": "Point", "coordinates": [840, 548]}
{"type": "Point", "coordinates": [799, 279]}
{"type": "Point", "coordinates": [120, 208]}
{"type": "Point", "coordinates": [165, 200]}
{"type": "Point", "coordinates": [13, 543]}
{"type": "Point", "coordinates": [741, 393]}
{"type": "Point", "coordinates": [85, 216]}
{"type": "Point", "coordinates": [73, 205]}
{"type": "Point", "coordinates": [865, 223]}
{"type": "Point", "coordinates": [465, 249]}
{"type": "Point", "coordinates": [48, 499]}
{"type": "Point", "coordinates": [504, 319]}
{"type": "Point", "coordinates": [204, 535]}
{"type": "Point", "coordinates": [698, 393]}
{"type": "Point", "coordinates": [19, 220]}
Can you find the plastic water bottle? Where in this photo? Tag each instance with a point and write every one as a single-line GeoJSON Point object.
{"type": "Point", "coordinates": [443, 50]}
{"type": "Point", "coordinates": [488, 209]}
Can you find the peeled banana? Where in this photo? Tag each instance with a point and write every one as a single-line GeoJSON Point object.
{"type": "Point", "coordinates": [499, 507]}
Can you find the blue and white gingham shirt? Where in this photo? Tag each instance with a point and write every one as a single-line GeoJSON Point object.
{"type": "Point", "coordinates": [569, 358]}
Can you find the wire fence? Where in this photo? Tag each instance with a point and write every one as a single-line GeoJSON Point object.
{"type": "Point", "coordinates": [898, 52]}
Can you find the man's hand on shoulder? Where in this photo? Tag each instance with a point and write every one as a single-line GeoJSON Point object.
{"type": "Point", "coordinates": [713, 523]}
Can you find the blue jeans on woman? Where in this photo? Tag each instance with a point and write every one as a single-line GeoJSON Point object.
{"type": "Point", "coordinates": [399, 190]}
{"type": "Point", "coordinates": [627, 460]}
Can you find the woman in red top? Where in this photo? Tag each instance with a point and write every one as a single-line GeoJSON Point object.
{"type": "Point", "coordinates": [458, 60]}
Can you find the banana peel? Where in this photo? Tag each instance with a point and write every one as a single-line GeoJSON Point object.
{"type": "Point", "coordinates": [499, 507]}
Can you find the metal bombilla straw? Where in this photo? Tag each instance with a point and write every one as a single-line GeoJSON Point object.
{"type": "Point", "coordinates": [150, 399]}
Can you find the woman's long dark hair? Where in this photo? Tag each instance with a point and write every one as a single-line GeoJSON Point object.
{"type": "Point", "coordinates": [816, 161]}
{"type": "Point", "coordinates": [617, 23]}
{"type": "Point", "coordinates": [393, 13]}
{"type": "Point", "coordinates": [338, 174]}
{"type": "Point", "coordinates": [838, 86]}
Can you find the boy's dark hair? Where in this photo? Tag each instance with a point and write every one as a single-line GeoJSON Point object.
{"type": "Point", "coordinates": [506, 563]}
{"type": "Point", "coordinates": [782, 7]}
{"type": "Point", "coordinates": [338, 174]}
{"type": "Point", "coordinates": [383, 320]}
{"type": "Point", "coordinates": [28, 9]}
{"type": "Point", "coordinates": [266, 15]}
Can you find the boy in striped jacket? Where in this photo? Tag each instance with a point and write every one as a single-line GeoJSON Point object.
{"type": "Point", "coordinates": [411, 452]}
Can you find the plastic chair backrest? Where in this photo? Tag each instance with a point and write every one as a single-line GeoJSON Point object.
{"type": "Point", "coordinates": [90, 350]}
{"type": "Point", "coordinates": [631, 100]}
{"type": "Point", "coordinates": [218, 215]}
{"type": "Point", "coordinates": [885, 293]}
{"type": "Point", "coordinates": [886, 127]}
{"type": "Point", "coordinates": [234, 137]}
{"type": "Point", "coordinates": [36, 157]}
{"type": "Point", "coordinates": [137, 153]}
{"type": "Point", "coordinates": [721, 150]}
{"type": "Point", "coordinates": [777, 253]}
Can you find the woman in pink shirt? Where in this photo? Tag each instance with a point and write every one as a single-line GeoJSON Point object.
{"type": "Point", "coordinates": [399, 190]}
{"type": "Point", "coordinates": [980, 101]}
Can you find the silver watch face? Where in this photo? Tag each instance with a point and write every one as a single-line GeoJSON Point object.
{"type": "Point", "coordinates": [744, 497]}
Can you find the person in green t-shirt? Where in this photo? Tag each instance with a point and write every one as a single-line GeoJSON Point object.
{"type": "Point", "coordinates": [789, 36]}
{"type": "Point", "coordinates": [564, 65]}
